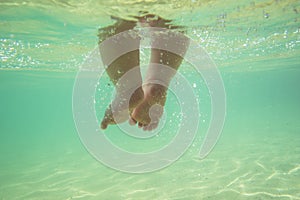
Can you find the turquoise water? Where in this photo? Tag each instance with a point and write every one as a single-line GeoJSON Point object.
{"type": "Point", "coordinates": [256, 47]}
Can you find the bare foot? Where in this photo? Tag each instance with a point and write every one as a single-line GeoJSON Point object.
{"type": "Point", "coordinates": [119, 110]}
{"type": "Point", "coordinates": [149, 111]}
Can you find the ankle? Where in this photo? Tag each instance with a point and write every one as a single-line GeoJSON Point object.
{"type": "Point", "coordinates": [156, 92]}
{"type": "Point", "coordinates": [139, 92]}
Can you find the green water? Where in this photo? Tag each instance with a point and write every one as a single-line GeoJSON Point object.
{"type": "Point", "coordinates": [256, 47]}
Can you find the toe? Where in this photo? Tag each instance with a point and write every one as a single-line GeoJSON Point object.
{"type": "Point", "coordinates": [132, 121]}
{"type": "Point", "coordinates": [104, 124]}
{"type": "Point", "coordinates": [151, 127]}
{"type": "Point", "coordinates": [140, 125]}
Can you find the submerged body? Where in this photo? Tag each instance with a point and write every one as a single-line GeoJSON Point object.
{"type": "Point", "coordinates": [147, 101]}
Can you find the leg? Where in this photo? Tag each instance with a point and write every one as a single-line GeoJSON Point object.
{"type": "Point", "coordinates": [116, 70]}
{"type": "Point", "coordinates": [150, 110]}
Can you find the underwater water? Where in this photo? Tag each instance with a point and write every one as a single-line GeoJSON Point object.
{"type": "Point", "coordinates": [256, 48]}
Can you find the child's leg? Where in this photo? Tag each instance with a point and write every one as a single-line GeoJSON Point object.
{"type": "Point", "coordinates": [155, 93]}
{"type": "Point", "coordinates": [116, 70]}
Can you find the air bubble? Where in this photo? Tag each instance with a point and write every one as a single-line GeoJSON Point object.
{"type": "Point", "coordinates": [266, 15]}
